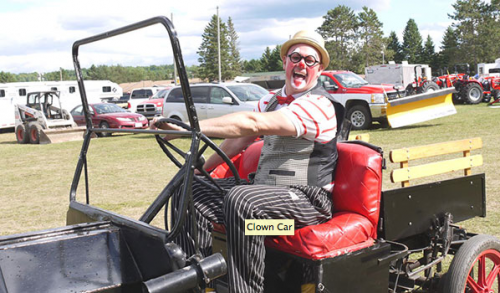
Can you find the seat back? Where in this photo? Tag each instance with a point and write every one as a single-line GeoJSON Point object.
{"type": "Point", "coordinates": [358, 181]}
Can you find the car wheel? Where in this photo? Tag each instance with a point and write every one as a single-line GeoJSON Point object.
{"type": "Point", "coordinates": [360, 117]}
{"type": "Point", "coordinates": [472, 93]}
{"type": "Point", "coordinates": [103, 125]}
{"type": "Point", "coordinates": [475, 267]}
{"type": "Point", "coordinates": [34, 132]}
{"type": "Point", "coordinates": [21, 134]}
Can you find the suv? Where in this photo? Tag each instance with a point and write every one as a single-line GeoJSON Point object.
{"type": "Point", "coordinates": [154, 106]}
{"type": "Point", "coordinates": [364, 102]}
{"type": "Point", "coordinates": [213, 100]}
{"type": "Point", "coordinates": [141, 94]}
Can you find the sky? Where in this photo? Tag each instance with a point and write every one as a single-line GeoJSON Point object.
{"type": "Point", "coordinates": [37, 35]}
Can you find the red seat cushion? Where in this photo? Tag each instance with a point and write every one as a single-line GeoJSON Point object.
{"type": "Point", "coordinates": [356, 202]}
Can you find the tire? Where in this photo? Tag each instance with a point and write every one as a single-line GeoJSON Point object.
{"type": "Point", "coordinates": [472, 93]}
{"type": "Point", "coordinates": [34, 132]}
{"type": "Point", "coordinates": [360, 117]}
{"type": "Point", "coordinates": [21, 134]}
{"type": "Point", "coordinates": [104, 124]}
{"type": "Point", "coordinates": [429, 86]}
{"type": "Point", "coordinates": [480, 255]}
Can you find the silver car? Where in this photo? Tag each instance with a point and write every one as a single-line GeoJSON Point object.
{"type": "Point", "coordinates": [213, 100]}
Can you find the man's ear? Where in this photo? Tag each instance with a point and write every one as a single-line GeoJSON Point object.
{"type": "Point", "coordinates": [283, 59]}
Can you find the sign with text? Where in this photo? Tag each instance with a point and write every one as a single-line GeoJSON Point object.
{"type": "Point", "coordinates": [269, 227]}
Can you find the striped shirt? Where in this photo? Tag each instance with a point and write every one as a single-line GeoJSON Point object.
{"type": "Point", "coordinates": [313, 116]}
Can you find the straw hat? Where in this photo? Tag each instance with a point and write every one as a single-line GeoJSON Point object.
{"type": "Point", "coordinates": [310, 38]}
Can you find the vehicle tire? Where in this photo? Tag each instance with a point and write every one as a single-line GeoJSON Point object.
{"type": "Point", "coordinates": [21, 134]}
{"type": "Point", "coordinates": [360, 117]}
{"type": "Point", "coordinates": [104, 124]}
{"type": "Point", "coordinates": [472, 93]}
{"type": "Point", "coordinates": [34, 132]}
{"type": "Point", "coordinates": [429, 86]}
{"type": "Point", "coordinates": [475, 267]}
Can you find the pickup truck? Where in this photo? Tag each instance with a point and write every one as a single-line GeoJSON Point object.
{"type": "Point", "coordinates": [364, 103]}
{"type": "Point", "coordinates": [154, 106]}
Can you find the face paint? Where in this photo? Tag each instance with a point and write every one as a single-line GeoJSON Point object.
{"type": "Point", "coordinates": [301, 77]}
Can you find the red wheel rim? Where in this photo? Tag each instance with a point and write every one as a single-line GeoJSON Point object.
{"type": "Point", "coordinates": [487, 265]}
{"type": "Point", "coordinates": [33, 134]}
{"type": "Point", "coordinates": [20, 134]}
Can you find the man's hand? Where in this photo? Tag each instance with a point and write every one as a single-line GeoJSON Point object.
{"type": "Point", "coordinates": [156, 124]}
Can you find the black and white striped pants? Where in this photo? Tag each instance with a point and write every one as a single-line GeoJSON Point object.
{"type": "Point", "coordinates": [307, 205]}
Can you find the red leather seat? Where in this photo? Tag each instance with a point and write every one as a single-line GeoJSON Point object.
{"type": "Point", "coordinates": [356, 201]}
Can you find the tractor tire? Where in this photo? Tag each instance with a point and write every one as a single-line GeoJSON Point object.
{"type": "Point", "coordinates": [34, 132]}
{"type": "Point", "coordinates": [21, 134]}
{"type": "Point", "coordinates": [360, 117]}
{"type": "Point", "coordinates": [472, 93]}
{"type": "Point", "coordinates": [104, 124]}
{"type": "Point", "coordinates": [475, 266]}
{"type": "Point", "coordinates": [429, 86]}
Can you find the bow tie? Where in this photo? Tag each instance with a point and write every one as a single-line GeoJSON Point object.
{"type": "Point", "coordinates": [285, 100]}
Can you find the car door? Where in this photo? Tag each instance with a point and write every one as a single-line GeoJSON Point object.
{"type": "Point", "coordinates": [217, 107]}
{"type": "Point", "coordinates": [78, 115]}
{"type": "Point", "coordinates": [336, 90]}
{"type": "Point", "coordinates": [200, 96]}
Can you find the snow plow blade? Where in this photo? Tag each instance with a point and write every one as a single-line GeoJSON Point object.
{"type": "Point", "coordinates": [61, 135]}
{"type": "Point", "coordinates": [419, 108]}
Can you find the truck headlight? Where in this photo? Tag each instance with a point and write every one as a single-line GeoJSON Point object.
{"type": "Point", "coordinates": [378, 98]}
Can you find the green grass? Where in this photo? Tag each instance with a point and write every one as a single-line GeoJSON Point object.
{"type": "Point", "coordinates": [128, 171]}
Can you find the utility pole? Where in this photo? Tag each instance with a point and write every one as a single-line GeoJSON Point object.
{"type": "Point", "coordinates": [218, 43]}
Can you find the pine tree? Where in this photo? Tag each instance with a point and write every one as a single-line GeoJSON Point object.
{"type": "Point", "coordinates": [394, 46]}
{"type": "Point", "coordinates": [412, 43]}
{"type": "Point", "coordinates": [371, 36]}
{"type": "Point", "coordinates": [339, 30]}
{"type": "Point", "coordinates": [429, 53]}
{"type": "Point", "coordinates": [208, 52]}
{"type": "Point", "coordinates": [234, 53]}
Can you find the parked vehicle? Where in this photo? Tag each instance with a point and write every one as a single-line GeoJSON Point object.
{"type": "Point", "coordinates": [469, 89]}
{"type": "Point", "coordinates": [364, 102]}
{"type": "Point", "coordinates": [139, 95]}
{"type": "Point", "coordinates": [107, 115]}
{"type": "Point", "coordinates": [401, 75]}
{"type": "Point", "coordinates": [121, 101]}
{"type": "Point", "coordinates": [42, 120]}
{"type": "Point", "coordinates": [15, 93]}
{"type": "Point", "coordinates": [154, 106]}
{"type": "Point", "coordinates": [213, 99]}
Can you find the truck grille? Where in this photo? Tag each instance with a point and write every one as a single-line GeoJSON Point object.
{"type": "Point", "coordinates": [145, 108]}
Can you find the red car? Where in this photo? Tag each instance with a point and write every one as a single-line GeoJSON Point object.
{"type": "Point", "coordinates": [106, 115]}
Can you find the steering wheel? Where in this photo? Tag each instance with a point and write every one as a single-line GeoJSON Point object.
{"type": "Point", "coordinates": [199, 160]}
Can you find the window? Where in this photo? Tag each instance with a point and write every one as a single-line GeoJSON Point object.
{"type": "Point", "coordinates": [217, 94]}
{"type": "Point", "coordinates": [199, 94]}
{"type": "Point", "coordinates": [53, 88]}
{"type": "Point", "coordinates": [142, 94]}
{"type": "Point", "coordinates": [106, 89]}
{"type": "Point", "coordinates": [77, 111]}
{"type": "Point", "coordinates": [324, 78]}
{"type": "Point", "coordinates": [2, 93]}
{"type": "Point", "coordinates": [72, 89]}
{"type": "Point", "coordinates": [22, 92]}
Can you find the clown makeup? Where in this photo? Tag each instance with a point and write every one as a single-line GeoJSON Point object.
{"type": "Point", "coordinates": [301, 77]}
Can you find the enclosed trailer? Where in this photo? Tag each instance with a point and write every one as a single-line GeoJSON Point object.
{"type": "Point", "coordinates": [396, 74]}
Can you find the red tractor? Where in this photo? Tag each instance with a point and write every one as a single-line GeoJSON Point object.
{"type": "Point", "coordinates": [421, 84]}
{"type": "Point", "coordinates": [469, 89]}
{"type": "Point", "coordinates": [494, 85]}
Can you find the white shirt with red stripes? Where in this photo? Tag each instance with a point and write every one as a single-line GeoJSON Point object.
{"type": "Point", "coordinates": [312, 115]}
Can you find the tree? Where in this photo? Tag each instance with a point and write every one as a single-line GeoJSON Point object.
{"type": "Point", "coordinates": [339, 30]}
{"type": "Point", "coordinates": [429, 54]}
{"type": "Point", "coordinates": [254, 65]}
{"type": "Point", "coordinates": [7, 77]}
{"type": "Point", "coordinates": [394, 48]}
{"type": "Point", "coordinates": [449, 50]}
{"type": "Point", "coordinates": [371, 36]}
{"type": "Point", "coordinates": [209, 53]}
{"type": "Point", "coordinates": [234, 53]}
{"type": "Point", "coordinates": [412, 43]}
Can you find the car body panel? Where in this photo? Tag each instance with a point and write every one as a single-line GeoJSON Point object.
{"type": "Point", "coordinates": [114, 120]}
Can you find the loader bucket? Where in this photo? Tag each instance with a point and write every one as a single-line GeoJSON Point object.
{"type": "Point", "coordinates": [419, 108]}
{"type": "Point", "coordinates": [61, 135]}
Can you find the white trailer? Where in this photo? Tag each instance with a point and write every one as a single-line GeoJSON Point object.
{"type": "Point", "coordinates": [396, 74]}
{"type": "Point", "coordinates": [16, 92]}
{"type": "Point", "coordinates": [483, 69]}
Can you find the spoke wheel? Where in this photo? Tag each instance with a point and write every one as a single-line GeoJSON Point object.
{"type": "Point", "coordinates": [476, 267]}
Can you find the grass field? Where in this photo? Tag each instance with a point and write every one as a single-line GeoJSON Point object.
{"type": "Point", "coordinates": [128, 171]}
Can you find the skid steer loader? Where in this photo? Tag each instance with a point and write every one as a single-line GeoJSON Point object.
{"type": "Point", "coordinates": [42, 120]}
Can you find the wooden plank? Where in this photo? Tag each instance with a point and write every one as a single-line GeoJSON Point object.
{"type": "Point", "coordinates": [432, 150]}
{"type": "Point", "coordinates": [410, 173]}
